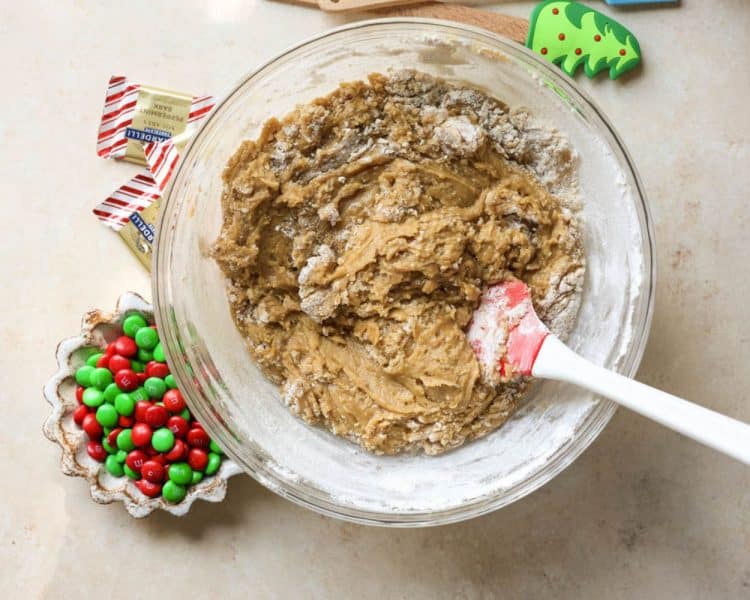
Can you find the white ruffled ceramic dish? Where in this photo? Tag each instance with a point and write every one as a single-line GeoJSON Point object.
{"type": "Point", "coordinates": [97, 329]}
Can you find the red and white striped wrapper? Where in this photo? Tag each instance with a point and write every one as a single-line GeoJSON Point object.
{"type": "Point", "coordinates": [202, 105]}
{"type": "Point", "coordinates": [119, 107]}
{"type": "Point", "coordinates": [161, 156]}
{"type": "Point", "coordinates": [141, 190]}
{"type": "Point", "coordinates": [162, 159]}
{"type": "Point", "coordinates": [131, 197]}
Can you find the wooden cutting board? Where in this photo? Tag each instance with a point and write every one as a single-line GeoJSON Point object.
{"type": "Point", "coordinates": [514, 28]}
{"type": "Point", "coordinates": [344, 5]}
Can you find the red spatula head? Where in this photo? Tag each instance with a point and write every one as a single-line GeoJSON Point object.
{"type": "Point", "coordinates": [505, 332]}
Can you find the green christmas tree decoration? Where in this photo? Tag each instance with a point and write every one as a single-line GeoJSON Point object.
{"type": "Point", "coordinates": [570, 34]}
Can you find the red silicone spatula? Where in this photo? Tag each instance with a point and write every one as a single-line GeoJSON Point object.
{"type": "Point", "coordinates": [510, 340]}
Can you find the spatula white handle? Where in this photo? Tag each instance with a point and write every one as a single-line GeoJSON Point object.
{"type": "Point", "coordinates": [732, 437]}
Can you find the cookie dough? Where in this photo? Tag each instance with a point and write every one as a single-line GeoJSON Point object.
{"type": "Point", "coordinates": [358, 234]}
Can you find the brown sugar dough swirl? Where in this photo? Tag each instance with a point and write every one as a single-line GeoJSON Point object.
{"type": "Point", "coordinates": [358, 233]}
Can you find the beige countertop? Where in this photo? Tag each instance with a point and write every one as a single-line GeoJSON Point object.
{"type": "Point", "coordinates": [643, 513]}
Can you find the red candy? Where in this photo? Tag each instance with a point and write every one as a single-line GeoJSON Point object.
{"type": "Point", "coordinates": [79, 413]}
{"type": "Point", "coordinates": [118, 363]}
{"type": "Point", "coordinates": [197, 459]}
{"type": "Point", "coordinates": [152, 490]}
{"type": "Point", "coordinates": [178, 452]}
{"type": "Point", "coordinates": [157, 369]}
{"type": "Point", "coordinates": [140, 410]}
{"type": "Point", "coordinates": [112, 437]}
{"type": "Point", "coordinates": [126, 380]}
{"type": "Point", "coordinates": [141, 434]}
{"type": "Point", "coordinates": [156, 416]}
{"type": "Point", "coordinates": [174, 401]}
{"type": "Point", "coordinates": [96, 451]}
{"type": "Point", "coordinates": [197, 438]}
{"type": "Point", "coordinates": [185, 450]}
{"type": "Point", "coordinates": [91, 426]}
{"type": "Point", "coordinates": [142, 377]}
{"type": "Point", "coordinates": [103, 362]}
{"type": "Point", "coordinates": [125, 422]}
{"type": "Point", "coordinates": [178, 426]}
{"type": "Point", "coordinates": [110, 350]}
{"type": "Point", "coordinates": [161, 370]}
{"type": "Point", "coordinates": [79, 394]}
{"type": "Point", "coordinates": [153, 471]}
{"type": "Point", "coordinates": [125, 346]}
{"type": "Point", "coordinates": [157, 457]}
{"type": "Point", "coordinates": [135, 460]}
{"type": "Point", "coordinates": [196, 424]}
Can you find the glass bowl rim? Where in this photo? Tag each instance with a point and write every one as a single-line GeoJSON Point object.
{"type": "Point", "coordinates": [298, 492]}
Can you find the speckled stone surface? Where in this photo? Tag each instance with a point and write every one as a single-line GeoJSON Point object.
{"type": "Point", "coordinates": [642, 514]}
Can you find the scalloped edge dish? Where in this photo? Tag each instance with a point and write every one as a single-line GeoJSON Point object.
{"type": "Point", "coordinates": [97, 328]}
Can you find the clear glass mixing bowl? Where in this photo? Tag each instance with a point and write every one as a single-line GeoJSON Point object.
{"type": "Point", "coordinates": [244, 412]}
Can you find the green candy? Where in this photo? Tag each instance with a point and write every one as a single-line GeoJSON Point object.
{"type": "Point", "coordinates": [133, 323]}
{"type": "Point", "coordinates": [93, 359]}
{"type": "Point", "coordinates": [185, 414]}
{"type": "Point", "coordinates": [107, 431]}
{"type": "Point", "coordinates": [159, 353]}
{"type": "Point", "coordinates": [162, 440]}
{"type": "Point", "coordinates": [146, 338]}
{"type": "Point", "coordinates": [197, 476]}
{"type": "Point", "coordinates": [125, 440]}
{"type": "Point", "coordinates": [139, 394]}
{"type": "Point", "coordinates": [130, 473]}
{"type": "Point", "coordinates": [155, 387]}
{"type": "Point", "coordinates": [101, 378]}
{"type": "Point", "coordinates": [107, 446]}
{"type": "Point", "coordinates": [111, 392]}
{"type": "Point", "coordinates": [113, 466]}
{"type": "Point", "coordinates": [170, 381]}
{"type": "Point", "coordinates": [145, 355]}
{"type": "Point", "coordinates": [214, 447]}
{"type": "Point", "coordinates": [93, 397]}
{"type": "Point", "coordinates": [173, 492]}
{"type": "Point", "coordinates": [137, 366]}
{"type": "Point", "coordinates": [180, 473]}
{"type": "Point", "coordinates": [106, 415]}
{"type": "Point", "coordinates": [124, 404]}
{"type": "Point", "coordinates": [83, 375]}
{"type": "Point", "coordinates": [121, 455]}
{"type": "Point", "coordinates": [214, 462]}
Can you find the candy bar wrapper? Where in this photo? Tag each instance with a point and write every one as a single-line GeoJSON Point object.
{"type": "Point", "coordinates": [132, 209]}
{"type": "Point", "coordinates": [139, 232]}
{"type": "Point", "coordinates": [136, 114]}
{"type": "Point", "coordinates": [144, 125]}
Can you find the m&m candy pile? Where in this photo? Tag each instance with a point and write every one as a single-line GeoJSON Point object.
{"type": "Point", "coordinates": [136, 419]}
